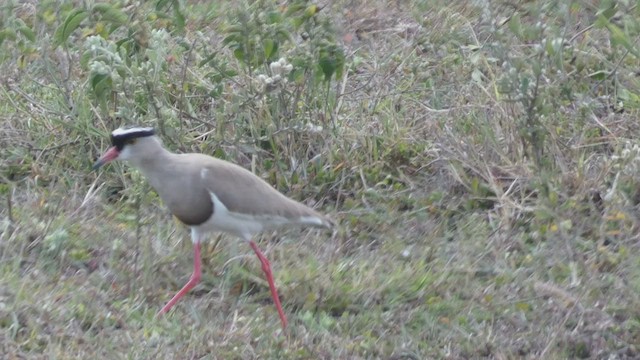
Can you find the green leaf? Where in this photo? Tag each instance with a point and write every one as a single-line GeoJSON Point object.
{"type": "Point", "coordinates": [110, 14]}
{"type": "Point", "coordinates": [7, 34]}
{"type": "Point", "coordinates": [618, 37]}
{"type": "Point", "coordinates": [178, 17]}
{"type": "Point", "coordinates": [101, 84]}
{"type": "Point", "coordinates": [523, 306]}
{"type": "Point", "coordinates": [233, 38]}
{"type": "Point", "coordinates": [208, 59]}
{"type": "Point", "coordinates": [607, 8]}
{"type": "Point", "coordinates": [328, 67]}
{"type": "Point", "coordinates": [161, 4]}
{"type": "Point", "coordinates": [515, 25]}
{"type": "Point", "coordinates": [229, 73]}
{"type": "Point", "coordinates": [283, 35]}
{"type": "Point", "coordinates": [214, 76]}
{"type": "Point", "coordinates": [297, 22]}
{"type": "Point", "coordinates": [84, 59]}
{"type": "Point", "coordinates": [475, 185]}
{"type": "Point", "coordinates": [28, 33]}
{"type": "Point", "coordinates": [216, 91]}
{"type": "Point", "coordinates": [599, 75]}
{"type": "Point", "coordinates": [234, 29]}
{"type": "Point", "coordinates": [239, 54]}
{"type": "Point", "coordinates": [310, 11]}
{"type": "Point", "coordinates": [71, 23]}
{"type": "Point", "coordinates": [273, 17]}
{"type": "Point", "coordinates": [270, 48]}
{"type": "Point", "coordinates": [601, 22]}
{"type": "Point", "coordinates": [297, 76]}
{"type": "Point", "coordinates": [25, 30]}
{"type": "Point", "coordinates": [630, 99]}
{"type": "Point", "coordinates": [294, 8]}
{"type": "Point", "coordinates": [331, 62]}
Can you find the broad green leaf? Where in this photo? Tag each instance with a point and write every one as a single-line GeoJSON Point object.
{"type": "Point", "coordinates": [297, 22]}
{"type": "Point", "coordinates": [84, 58]}
{"type": "Point", "coordinates": [230, 73]}
{"type": "Point", "coordinates": [270, 48]}
{"type": "Point", "coordinates": [7, 34]}
{"type": "Point", "coordinates": [184, 44]}
{"type": "Point", "coordinates": [239, 54]}
{"type": "Point", "coordinates": [232, 38]}
{"type": "Point", "coordinates": [475, 185]}
{"type": "Point", "coordinates": [216, 91]}
{"type": "Point", "coordinates": [515, 25]}
{"type": "Point", "coordinates": [331, 62]}
{"type": "Point", "coordinates": [25, 30]}
{"type": "Point", "coordinates": [214, 77]}
{"type": "Point", "coordinates": [273, 17]}
{"type": "Point", "coordinates": [71, 23]}
{"type": "Point", "coordinates": [101, 84]}
{"type": "Point", "coordinates": [607, 8]}
{"type": "Point", "coordinates": [283, 35]}
{"type": "Point", "coordinates": [219, 153]}
{"type": "Point", "coordinates": [111, 14]}
{"type": "Point", "coordinates": [310, 11]}
{"type": "Point", "coordinates": [160, 4]}
{"type": "Point", "coordinates": [231, 29]}
{"type": "Point", "coordinates": [630, 99]}
{"type": "Point", "coordinates": [601, 22]}
{"type": "Point", "coordinates": [297, 75]}
{"type": "Point", "coordinates": [28, 33]}
{"type": "Point", "coordinates": [328, 67]}
{"type": "Point", "coordinates": [208, 59]}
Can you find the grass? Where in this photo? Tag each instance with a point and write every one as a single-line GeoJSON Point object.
{"type": "Point", "coordinates": [480, 159]}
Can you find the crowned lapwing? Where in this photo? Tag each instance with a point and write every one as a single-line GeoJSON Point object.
{"type": "Point", "coordinates": [209, 194]}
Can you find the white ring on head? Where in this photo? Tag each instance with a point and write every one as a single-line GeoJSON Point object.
{"type": "Point", "coordinates": [125, 131]}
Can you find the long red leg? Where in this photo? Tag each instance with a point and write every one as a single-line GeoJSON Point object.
{"type": "Point", "coordinates": [266, 267]}
{"type": "Point", "coordinates": [193, 281]}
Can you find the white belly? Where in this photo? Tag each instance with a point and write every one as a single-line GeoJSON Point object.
{"type": "Point", "coordinates": [241, 225]}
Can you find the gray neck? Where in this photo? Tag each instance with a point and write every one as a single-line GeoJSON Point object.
{"type": "Point", "coordinates": [153, 160]}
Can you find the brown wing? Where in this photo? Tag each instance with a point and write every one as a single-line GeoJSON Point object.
{"type": "Point", "coordinates": [243, 192]}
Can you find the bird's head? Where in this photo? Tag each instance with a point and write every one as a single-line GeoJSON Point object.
{"type": "Point", "coordinates": [133, 143]}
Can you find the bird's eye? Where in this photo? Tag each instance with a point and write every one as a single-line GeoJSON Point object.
{"type": "Point", "coordinates": [131, 141]}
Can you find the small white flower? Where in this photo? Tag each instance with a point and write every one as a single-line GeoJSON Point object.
{"type": "Point", "coordinates": [276, 68]}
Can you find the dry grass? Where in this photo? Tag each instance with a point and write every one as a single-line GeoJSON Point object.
{"type": "Point", "coordinates": [480, 217]}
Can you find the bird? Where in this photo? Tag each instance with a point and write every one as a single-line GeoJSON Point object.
{"type": "Point", "coordinates": [208, 194]}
